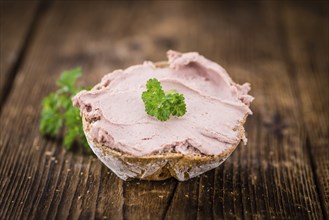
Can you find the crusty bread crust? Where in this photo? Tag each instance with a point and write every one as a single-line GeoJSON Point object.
{"type": "Point", "coordinates": [159, 166]}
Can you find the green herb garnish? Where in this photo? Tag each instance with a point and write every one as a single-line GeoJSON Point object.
{"type": "Point", "coordinates": [161, 104]}
{"type": "Point", "coordinates": [58, 111]}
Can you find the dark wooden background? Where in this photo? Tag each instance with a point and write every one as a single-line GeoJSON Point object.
{"type": "Point", "coordinates": [280, 47]}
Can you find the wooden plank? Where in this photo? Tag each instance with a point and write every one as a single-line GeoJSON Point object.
{"type": "Point", "coordinates": [39, 179]}
{"type": "Point", "coordinates": [48, 181]}
{"type": "Point", "coordinates": [307, 35]}
{"type": "Point", "coordinates": [270, 178]}
{"type": "Point", "coordinates": [16, 20]}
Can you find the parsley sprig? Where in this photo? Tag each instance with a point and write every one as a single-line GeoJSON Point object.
{"type": "Point", "coordinates": [161, 104]}
{"type": "Point", "coordinates": [58, 111]}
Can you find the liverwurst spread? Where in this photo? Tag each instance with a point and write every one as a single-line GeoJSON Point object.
{"type": "Point", "coordinates": [216, 108]}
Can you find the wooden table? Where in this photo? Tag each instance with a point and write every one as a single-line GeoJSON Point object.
{"type": "Point", "coordinates": [280, 47]}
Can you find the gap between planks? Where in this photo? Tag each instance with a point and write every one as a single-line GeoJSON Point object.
{"type": "Point", "coordinates": [42, 8]}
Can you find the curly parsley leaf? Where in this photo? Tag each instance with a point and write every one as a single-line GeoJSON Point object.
{"type": "Point", "coordinates": [178, 106]}
{"type": "Point", "coordinates": [162, 104]}
{"type": "Point", "coordinates": [74, 129]}
{"type": "Point", "coordinates": [51, 118]}
{"type": "Point", "coordinates": [68, 79]}
{"type": "Point", "coordinates": [58, 111]}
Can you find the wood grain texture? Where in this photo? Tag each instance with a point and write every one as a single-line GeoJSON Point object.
{"type": "Point", "coordinates": [283, 171]}
{"type": "Point", "coordinates": [16, 19]}
{"type": "Point", "coordinates": [307, 36]}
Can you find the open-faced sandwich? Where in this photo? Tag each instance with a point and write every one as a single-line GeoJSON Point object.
{"type": "Point", "coordinates": [205, 129]}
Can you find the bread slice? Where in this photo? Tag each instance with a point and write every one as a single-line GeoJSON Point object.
{"type": "Point", "coordinates": [159, 166]}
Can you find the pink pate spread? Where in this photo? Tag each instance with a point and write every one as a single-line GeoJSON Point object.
{"type": "Point", "coordinates": [216, 107]}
